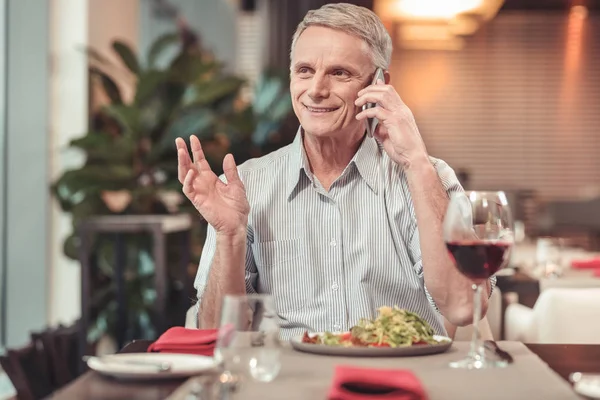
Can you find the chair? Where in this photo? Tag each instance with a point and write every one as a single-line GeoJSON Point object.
{"type": "Point", "coordinates": [27, 369]}
{"type": "Point", "coordinates": [17, 378]}
{"type": "Point", "coordinates": [560, 315]}
{"type": "Point", "coordinates": [61, 346]}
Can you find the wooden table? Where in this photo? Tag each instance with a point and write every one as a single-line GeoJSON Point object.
{"type": "Point", "coordinates": [563, 359]}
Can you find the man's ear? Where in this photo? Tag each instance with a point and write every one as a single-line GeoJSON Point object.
{"type": "Point", "coordinates": [386, 75]}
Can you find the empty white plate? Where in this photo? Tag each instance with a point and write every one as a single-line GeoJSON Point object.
{"type": "Point", "coordinates": [588, 385]}
{"type": "Point", "coordinates": [147, 365]}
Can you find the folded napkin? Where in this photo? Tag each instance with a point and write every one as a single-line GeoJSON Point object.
{"type": "Point", "coordinates": [187, 341]}
{"type": "Point", "coordinates": [591, 263]}
{"type": "Point", "coordinates": [354, 383]}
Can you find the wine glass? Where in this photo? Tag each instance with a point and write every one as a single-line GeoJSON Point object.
{"type": "Point", "coordinates": [248, 339]}
{"type": "Point", "coordinates": [478, 231]}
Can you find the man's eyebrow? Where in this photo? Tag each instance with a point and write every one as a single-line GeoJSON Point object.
{"type": "Point", "coordinates": [349, 68]}
{"type": "Point", "coordinates": [302, 64]}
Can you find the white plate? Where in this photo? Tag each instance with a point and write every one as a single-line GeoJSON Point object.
{"type": "Point", "coordinates": [588, 386]}
{"type": "Point", "coordinates": [130, 365]}
{"type": "Point", "coordinates": [416, 350]}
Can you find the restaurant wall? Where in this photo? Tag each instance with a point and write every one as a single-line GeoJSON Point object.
{"type": "Point", "coordinates": [3, 270]}
{"type": "Point", "coordinates": [25, 220]}
{"type": "Point", "coordinates": [517, 107]}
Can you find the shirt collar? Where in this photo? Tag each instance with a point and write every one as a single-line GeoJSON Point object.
{"type": "Point", "coordinates": [365, 160]}
{"type": "Point", "coordinates": [298, 164]}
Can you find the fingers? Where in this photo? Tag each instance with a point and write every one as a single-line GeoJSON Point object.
{"type": "Point", "coordinates": [230, 169]}
{"type": "Point", "coordinates": [180, 144]}
{"type": "Point", "coordinates": [197, 152]}
{"type": "Point", "coordinates": [381, 133]}
{"type": "Point", "coordinates": [379, 87]}
{"type": "Point", "coordinates": [372, 97]}
{"type": "Point", "coordinates": [184, 162]}
{"type": "Point", "coordinates": [188, 184]}
{"type": "Point", "coordinates": [183, 159]}
{"type": "Point", "coordinates": [376, 112]}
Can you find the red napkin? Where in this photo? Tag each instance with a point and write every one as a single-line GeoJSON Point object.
{"type": "Point", "coordinates": [354, 383]}
{"type": "Point", "coordinates": [597, 272]}
{"type": "Point", "coordinates": [187, 341]}
{"type": "Point", "coordinates": [592, 263]}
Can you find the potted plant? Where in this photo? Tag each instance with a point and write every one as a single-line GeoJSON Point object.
{"type": "Point", "coordinates": [131, 160]}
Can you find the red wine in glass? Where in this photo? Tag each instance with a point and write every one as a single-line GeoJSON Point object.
{"type": "Point", "coordinates": [478, 232]}
{"type": "Point", "coordinates": [479, 259]}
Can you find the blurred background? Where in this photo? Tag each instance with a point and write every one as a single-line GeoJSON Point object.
{"type": "Point", "coordinates": [96, 237]}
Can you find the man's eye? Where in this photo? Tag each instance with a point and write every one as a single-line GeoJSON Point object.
{"type": "Point", "coordinates": [303, 70]}
{"type": "Point", "coordinates": [340, 72]}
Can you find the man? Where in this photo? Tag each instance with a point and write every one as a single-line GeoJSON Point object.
{"type": "Point", "coordinates": [337, 223]}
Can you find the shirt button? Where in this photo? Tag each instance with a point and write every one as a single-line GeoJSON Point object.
{"type": "Point", "coordinates": [334, 286]}
{"type": "Point", "coordinates": [332, 243]}
{"type": "Point", "coordinates": [337, 328]}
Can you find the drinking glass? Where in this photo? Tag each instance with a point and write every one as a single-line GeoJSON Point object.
{"type": "Point", "coordinates": [478, 232]}
{"type": "Point", "coordinates": [248, 339]}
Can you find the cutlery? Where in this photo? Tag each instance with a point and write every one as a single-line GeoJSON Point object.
{"type": "Point", "coordinates": [493, 347]}
{"type": "Point", "coordinates": [160, 366]}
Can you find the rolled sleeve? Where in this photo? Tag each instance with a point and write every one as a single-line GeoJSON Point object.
{"type": "Point", "coordinates": [452, 186]}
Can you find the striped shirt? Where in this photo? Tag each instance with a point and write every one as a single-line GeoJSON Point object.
{"type": "Point", "coordinates": [330, 258]}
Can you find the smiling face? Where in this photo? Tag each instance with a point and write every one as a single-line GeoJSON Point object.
{"type": "Point", "coordinates": [329, 68]}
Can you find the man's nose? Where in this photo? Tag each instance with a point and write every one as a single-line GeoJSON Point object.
{"type": "Point", "coordinates": [319, 87]}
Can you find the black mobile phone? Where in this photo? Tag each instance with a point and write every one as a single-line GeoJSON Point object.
{"type": "Point", "coordinates": [372, 122]}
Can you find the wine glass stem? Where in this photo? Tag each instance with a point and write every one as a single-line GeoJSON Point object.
{"type": "Point", "coordinates": [477, 350]}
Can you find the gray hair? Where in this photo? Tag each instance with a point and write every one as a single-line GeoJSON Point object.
{"type": "Point", "coordinates": [354, 20]}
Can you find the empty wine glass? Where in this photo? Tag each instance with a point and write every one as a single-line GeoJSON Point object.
{"type": "Point", "coordinates": [478, 231]}
{"type": "Point", "coordinates": [248, 341]}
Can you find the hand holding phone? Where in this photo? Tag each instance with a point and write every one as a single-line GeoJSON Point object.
{"type": "Point", "coordinates": [372, 122]}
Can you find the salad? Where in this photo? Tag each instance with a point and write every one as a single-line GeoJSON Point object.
{"type": "Point", "coordinates": [393, 327]}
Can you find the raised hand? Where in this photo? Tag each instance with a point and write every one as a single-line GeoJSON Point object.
{"type": "Point", "coordinates": [223, 205]}
{"type": "Point", "coordinates": [397, 129]}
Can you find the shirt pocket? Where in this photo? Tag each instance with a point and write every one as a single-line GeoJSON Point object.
{"type": "Point", "coordinates": [281, 273]}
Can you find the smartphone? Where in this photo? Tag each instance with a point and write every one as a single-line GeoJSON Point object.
{"type": "Point", "coordinates": [372, 122]}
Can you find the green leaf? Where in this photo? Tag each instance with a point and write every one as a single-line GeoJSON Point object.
{"type": "Point", "coordinates": [145, 325]}
{"type": "Point", "coordinates": [148, 84]}
{"type": "Point", "coordinates": [71, 246]}
{"type": "Point", "coordinates": [160, 45]}
{"type": "Point", "coordinates": [75, 185]}
{"type": "Point", "coordinates": [100, 147]}
{"type": "Point", "coordinates": [209, 92]}
{"type": "Point", "coordinates": [281, 108]}
{"type": "Point", "coordinates": [195, 121]}
{"type": "Point", "coordinates": [263, 131]}
{"type": "Point", "coordinates": [145, 264]}
{"type": "Point", "coordinates": [128, 116]}
{"type": "Point", "coordinates": [110, 87]}
{"type": "Point", "coordinates": [96, 55]}
{"type": "Point", "coordinates": [127, 56]}
{"type": "Point", "coordinates": [188, 67]}
{"type": "Point", "coordinates": [266, 93]}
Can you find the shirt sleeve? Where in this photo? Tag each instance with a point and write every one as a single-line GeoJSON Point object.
{"type": "Point", "coordinates": [452, 185]}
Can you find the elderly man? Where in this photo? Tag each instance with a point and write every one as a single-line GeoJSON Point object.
{"type": "Point", "coordinates": [337, 223]}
